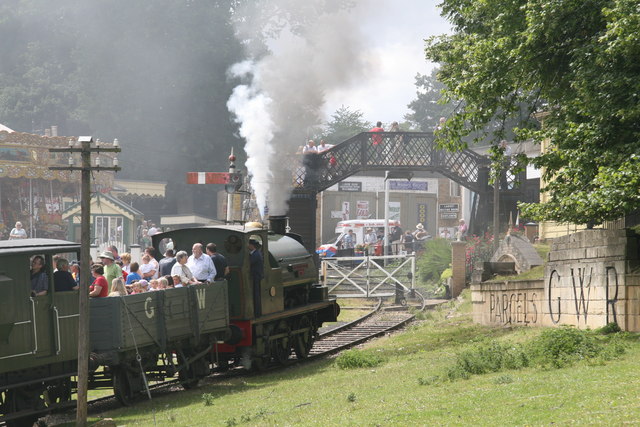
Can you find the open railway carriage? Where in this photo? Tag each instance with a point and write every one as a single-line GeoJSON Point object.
{"type": "Point", "coordinates": [38, 334]}
{"type": "Point", "coordinates": [292, 305]}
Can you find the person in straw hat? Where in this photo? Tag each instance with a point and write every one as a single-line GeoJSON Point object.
{"type": "Point", "coordinates": [420, 233]}
{"type": "Point", "coordinates": [111, 269]}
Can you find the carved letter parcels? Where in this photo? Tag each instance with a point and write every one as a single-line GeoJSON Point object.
{"type": "Point", "coordinates": [588, 282]}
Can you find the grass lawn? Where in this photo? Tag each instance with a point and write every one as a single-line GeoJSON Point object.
{"type": "Point", "coordinates": [408, 387]}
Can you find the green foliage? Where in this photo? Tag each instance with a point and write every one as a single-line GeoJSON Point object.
{"type": "Point", "coordinates": [434, 261]}
{"type": "Point", "coordinates": [351, 397]}
{"type": "Point", "coordinates": [553, 348]}
{"type": "Point", "coordinates": [152, 75]}
{"type": "Point", "coordinates": [434, 379]}
{"type": "Point", "coordinates": [609, 328]}
{"type": "Point", "coordinates": [427, 108]}
{"type": "Point", "coordinates": [343, 125]}
{"type": "Point", "coordinates": [358, 359]}
{"type": "Point", "coordinates": [207, 399]}
{"type": "Point", "coordinates": [503, 379]}
{"type": "Point", "coordinates": [575, 60]}
{"type": "Point", "coordinates": [478, 250]}
{"type": "Point", "coordinates": [490, 356]}
{"type": "Point", "coordinates": [563, 346]}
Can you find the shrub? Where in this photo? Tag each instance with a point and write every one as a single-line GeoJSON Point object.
{"type": "Point", "coordinates": [358, 359]}
{"type": "Point", "coordinates": [609, 328]}
{"type": "Point", "coordinates": [503, 379]}
{"type": "Point", "coordinates": [492, 356]}
{"type": "Point", "coordinates": [478, 250]}
{"type": "Point", "coordinates": [351, 397]}
{"type": "Point", "coordinates": [560, 347]}
{"type": "Point", "coordinates": [207, 399]}
{"type": "Point", "coordinates": [433, 262]}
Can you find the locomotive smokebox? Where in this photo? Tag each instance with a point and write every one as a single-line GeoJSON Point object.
{"type": "Point", "coordinates": [278, 224]}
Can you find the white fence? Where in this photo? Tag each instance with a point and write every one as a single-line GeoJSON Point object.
{"type": "Point", "coordinates": [369, 276]}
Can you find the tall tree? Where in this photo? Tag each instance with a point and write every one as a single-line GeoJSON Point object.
{"type": "Point", "coordinates": [579, 62]}
{"type": "Point", "coordinates": [152, 74]}
{"type": "Point", "coordinates": [344, 124]}
{"type": "Point", "coordinates": [427, 108]}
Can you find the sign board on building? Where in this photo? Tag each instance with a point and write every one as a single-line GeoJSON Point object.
{"type": "Point", "coordinates": [409, 185]}
{"type": "Point", "coordinates": [394, 211]}
{"type": "Point", "coordinates": [448, 215]}
{"type": "Point", "coordinates": [336, 214]}
{"type": "Point", "coordinates": [362, 209]}
{"type": "Point", "coordinates": [449, 207]}
{"type": "Point", "coordinates": [350, 186]}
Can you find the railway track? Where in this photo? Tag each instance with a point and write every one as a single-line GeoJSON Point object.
{"type": "Point", "coordinates": [380, 320]}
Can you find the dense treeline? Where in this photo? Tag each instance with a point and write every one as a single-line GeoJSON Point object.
{"type": "Point", "coordinates": [152, 74]}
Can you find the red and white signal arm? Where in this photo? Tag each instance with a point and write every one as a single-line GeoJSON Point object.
{"type": "Point", "coordinates": [208, 177]}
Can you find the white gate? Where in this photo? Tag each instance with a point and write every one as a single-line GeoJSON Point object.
{"type": "Point", "coordinates": [369, 276]}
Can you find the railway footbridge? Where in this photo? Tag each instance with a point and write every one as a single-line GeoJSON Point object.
{"type": "Point", "coordinates": [399, 151]}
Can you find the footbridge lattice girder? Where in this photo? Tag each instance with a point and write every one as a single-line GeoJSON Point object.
{"type": "Point", "coordinates": [381, 151]}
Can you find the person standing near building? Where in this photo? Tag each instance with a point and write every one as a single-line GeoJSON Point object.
{"type": "Point", "coordinates": [349, 241]}
{"type": "Point", "coordinates": [462, 230]}
{"type": "Point", "coordinates": [18, 232]}
{"type": "Point", "coordinates": [219, 261]}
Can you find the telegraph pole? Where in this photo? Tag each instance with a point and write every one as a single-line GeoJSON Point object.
{"type": "Point", "coordinates": [85, 151]}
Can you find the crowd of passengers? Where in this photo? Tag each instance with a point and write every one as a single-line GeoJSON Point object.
{"type": "Point", "coordinates": [116, 275]}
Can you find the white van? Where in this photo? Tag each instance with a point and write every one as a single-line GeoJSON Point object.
{"type": "Point", "coordinates": [359, 227]}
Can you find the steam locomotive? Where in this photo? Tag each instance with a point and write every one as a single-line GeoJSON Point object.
{"type": "Point", "coordinates": [150, 336]}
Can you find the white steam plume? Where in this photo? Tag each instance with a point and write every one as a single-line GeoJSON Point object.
{"type": "Point", "coordinates": [284, 99]}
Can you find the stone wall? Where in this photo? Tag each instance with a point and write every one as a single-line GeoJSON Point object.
{"type": "Point", "coordinates": [591, 278]}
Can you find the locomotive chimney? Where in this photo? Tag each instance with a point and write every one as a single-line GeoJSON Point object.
{"type": "Point", "coordinates": [278, 224]}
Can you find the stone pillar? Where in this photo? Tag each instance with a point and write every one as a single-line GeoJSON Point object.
{"type": "Point", "coordinates": [458, 267]}
{"type": "Point", "coordinates": [531, 231]}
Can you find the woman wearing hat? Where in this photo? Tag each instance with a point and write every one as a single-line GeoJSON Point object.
{"type": "Point", "coordinates": [420, 233]}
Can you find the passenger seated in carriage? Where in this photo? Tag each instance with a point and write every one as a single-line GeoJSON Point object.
{"type": "Point", "coordinates": [39, 279]}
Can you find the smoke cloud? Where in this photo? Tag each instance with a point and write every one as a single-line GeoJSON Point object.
{"type": "Point", "coordinates": [314, 47]}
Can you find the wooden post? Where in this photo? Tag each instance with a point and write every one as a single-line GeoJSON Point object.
{"type": "Point", "coordinates": [85, 151]}
{"type": "Point", "coordinates": [458, 267]}
{"type": "Point", "coordinates": [85, 274]}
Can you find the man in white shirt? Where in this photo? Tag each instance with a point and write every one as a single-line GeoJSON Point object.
{"type": "Point", "coordinates": [323, 146]}
{"type": "Point", "coordinates": [201, 265]}
{"type": "Point", "coordinates": [371, 238]}
{"type": "Point", "coordinates": [152, 231]}
{"type": "Point", "coordinates": [310, 148]}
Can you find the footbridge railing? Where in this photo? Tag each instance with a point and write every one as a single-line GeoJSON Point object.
{"type": "Point", "coordinates": [380, 151]}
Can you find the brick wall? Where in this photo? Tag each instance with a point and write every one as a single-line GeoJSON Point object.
{"type": "Point", "coordinates": [590, 279]}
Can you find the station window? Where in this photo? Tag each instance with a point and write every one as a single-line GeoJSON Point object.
{"type": "Point", "coordinates": [454, 189]}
